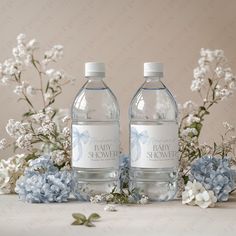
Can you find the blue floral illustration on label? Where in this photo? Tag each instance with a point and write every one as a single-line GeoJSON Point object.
{"type": "Point", "coordinates": [79, 138]}
{"type": "Point", "coordinates": [137, 138]}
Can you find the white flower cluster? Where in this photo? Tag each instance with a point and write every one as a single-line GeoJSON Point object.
{"type": "Point", "coordinates": [39, 132]}
{"type": "Point", "coordinates": [11, 68]}
{"type": "Point", "coordinates": [10, 170]}
{"type": "Point", "coordinates": [214, 59]}
{"type": "Point", "coordinates": [21, 132]}
{"type": "Point", "coordinates": [196, 194]}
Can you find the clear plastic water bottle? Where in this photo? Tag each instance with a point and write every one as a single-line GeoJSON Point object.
{"type": "Point", "coordinates": [95, 135]}
{"type": "Point", "coordinates": [154, 153]}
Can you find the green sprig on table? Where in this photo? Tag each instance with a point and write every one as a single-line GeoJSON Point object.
{"type": "Point", "coordinates": [81, 219]}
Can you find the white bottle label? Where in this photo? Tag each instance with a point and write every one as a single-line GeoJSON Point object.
{"type": "Point", "coordinates": [154, 146]}
{"type": "Point", "coordinates": [95, 146]}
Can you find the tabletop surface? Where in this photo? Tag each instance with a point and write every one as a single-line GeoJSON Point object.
{"type": "Point", "coordinates": [163, 218]}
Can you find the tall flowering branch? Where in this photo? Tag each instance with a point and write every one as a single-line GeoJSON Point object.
{"type": "Point", "coordinates": [214, 82]}
{"type": "Point", "coordinates": [43, 129]}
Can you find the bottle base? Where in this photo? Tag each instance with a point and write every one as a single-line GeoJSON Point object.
{"type": "Point", "coordinates": [161, 185]}
{"type": "Point", "coordinates": [88, 183]}
{"type": "Point", "coordinates": [156, 191]}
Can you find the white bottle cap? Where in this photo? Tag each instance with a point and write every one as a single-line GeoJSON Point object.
{"type": "Point", "coordinates": [153, 69]}
{"type": "Point", "coordinates": [94, 69]}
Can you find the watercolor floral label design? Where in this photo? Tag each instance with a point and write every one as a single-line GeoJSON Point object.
{"type": "Point", "coordinates": [95, 146]}
{"type": "Point", "coordinates": [154, 146]}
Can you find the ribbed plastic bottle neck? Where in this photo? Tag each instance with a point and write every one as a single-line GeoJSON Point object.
{"type": "Point", "coordinates": [94, 78]}
{"type": "Point", "coordinates": [153, 78]}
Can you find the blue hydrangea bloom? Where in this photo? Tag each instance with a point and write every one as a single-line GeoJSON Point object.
{"type": "Point", "coordinates": [214, 174]}
{"type": "Point", "coordinates": [124, 171]}
{"type": "Point", "coordinates": [42, 182]}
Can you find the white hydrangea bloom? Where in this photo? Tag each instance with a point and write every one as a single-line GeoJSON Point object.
{"type": "Point", "coordinates": [10, 170]}
{"type": "Point", "coordinates": [196, 194]}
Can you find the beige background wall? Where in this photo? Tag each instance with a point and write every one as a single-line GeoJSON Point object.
{"type": "Point", "coordinates": [124, 34]}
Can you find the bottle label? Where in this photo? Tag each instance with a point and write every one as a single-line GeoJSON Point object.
{"type": "Point", "coordinates": [95, 146]}
{"type": "Point", "coordinates": [154, 146]}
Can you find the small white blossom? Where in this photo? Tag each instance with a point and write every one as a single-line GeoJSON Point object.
{"type": "Point", "coordinates": [24, 141]}
{"type": "Point", "coordinates": [229, 76]}
{"type": "Point", "coordinates": [9, 67]}
{"type": "Point", "coordinates": [192, 119]}
{"type": "Point", "coordinates": [66, 131]}
{"type": "Point", "coordinates": [188, 131]}
{"type": "Point", "coordinates": [5, 186]}
{"type": "Point", "coordinates": [225, 93]}
{"type": "Point", "coordinates": [5, 80]}
{"type": "Point", "coordinates": [30, 90]}
{"type": "Point", "coordinates": [17, 128]}
{"type": "Point", "coordinates": [21, 38]}
{"type": "Point", "coordinates": [189, 105]}
{"type": "Point", "coordinates": [199, 73]}
{"type": "Point", "coordinates": [109, 197]}
{"type": "Point", "coordinates": [232, 85]}
{"type": "Point", "coordinates": [228, 126]}
{"type": "Point", "coordinates": [96, 199]}
{"type": "Point", "coordinates": [3, 143]}
{"type": "Point", "coordinates": [110, 207]}
{"type": "Point", "coordinates": [49, 110]}
{"type": "Point", "coordinates": [197, 84]}
{"type": "Point", "coordinates": [220, 72]}
{"type": "Point", "coordinates": [66, 119]}
{"type": "Point", "coordinates": [32, 45]}
{"type": "Point", "coordinates": [48, 96]}
{"type": "Point", "coordinates": [58, 157]}
{"type": "Point", "coordinates": [53, 54]}
{"type": "Point", "coordinates": [143, 200]}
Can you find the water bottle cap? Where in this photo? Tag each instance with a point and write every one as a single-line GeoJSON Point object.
{"type": "Point", "coordinates": [153, 69]}
{"type": "Point", "coordinates": [94, 69]}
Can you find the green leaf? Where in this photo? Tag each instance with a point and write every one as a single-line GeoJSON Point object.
{"type": "Point", "coordinates": [94, 217]}
{"type": "Point", "coordinates": [210, 81]}
{"type": "Point", "coordinates": [79, 216]}
{"type": "Point", "coordinates": [27, 114]}
{"type": "Point", "coordinates": [185, 177]}
{"type": "Point", "coordinates": [77, 222]}
{"type": "Point", "coordinates": [89, 223]}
